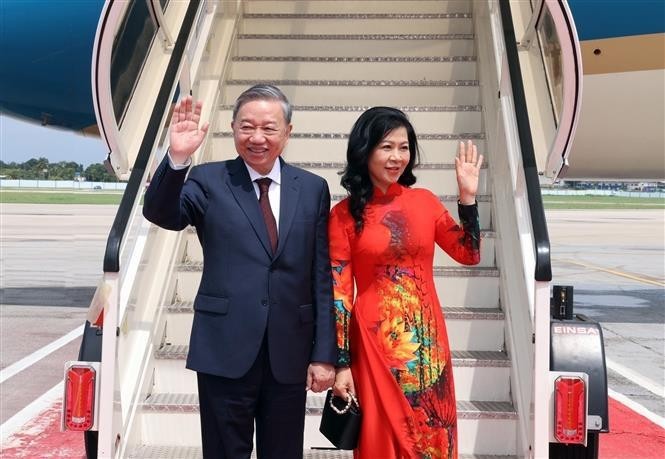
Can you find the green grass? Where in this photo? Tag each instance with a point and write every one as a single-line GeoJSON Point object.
{"type": "Point", "coordinates": [60, 197]}
{"type": "Point", "coordinates": [601, 202]}
{"type": "Point", "coordinates": [113, 197]}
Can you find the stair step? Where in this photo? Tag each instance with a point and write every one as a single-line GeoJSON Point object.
{"type": "Point", "coordinates": [356, 36]}
{"type": "Point", "coordinates": [473, 287]}
{"type": "Point", "coordinates": [349, 69]}
{"type": "Point", "coordinates": [475, 420]}
{"type": "Point", "coordinates": [496, 420]}
{"type": "Point", "coordinates": [189, 403]}
{"type": "Point", "coordinates": [325, 45]}
{"type": "Point", "coordinates": [463, 121]}
{"type": "Point", "coordinates": [347, 15]}
{"type": "Point", "coordinates": [194, 452]}
{"type": "Point", "coordinates": [369, 92]}
{"type": "Point", "coordinates": [469, 329]}
{"type": "Point", "coordinates": [439, 271]}
{"type": "Point", "coordinates": [305, 149]}
{"type": "Point", "coordinates": [361, 108]}
{"type": "Point", "coordinates": [451, 313]}
{"type": "Point", "coordinates": [194, 251]}
{"type": "Point", "coordinates": [355, 59]}
{"type": "Point", "coordinates": [484, 378]}
{"type": "Point", "coordinates": [437, 177]}
{"type": "Point", "coordinates": [344, 135]}
{"type": "Point", "coordinates": [349, 23]}
{"type": "Point", "coordinates": [460, 358]}
{"type": "Point", "coordinates": [356, 82]}
{"type": "Point", "coordinates": [355, 6]}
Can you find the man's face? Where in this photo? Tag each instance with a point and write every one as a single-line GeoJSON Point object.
{"type": "Point", "coordinates": [260, 133]}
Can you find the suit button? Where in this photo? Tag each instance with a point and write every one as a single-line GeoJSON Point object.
{"type": "Point", "coordinates": [264, 302]}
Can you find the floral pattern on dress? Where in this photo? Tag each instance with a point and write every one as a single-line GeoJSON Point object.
{"type": "Point", "coordinates": [390, 327]}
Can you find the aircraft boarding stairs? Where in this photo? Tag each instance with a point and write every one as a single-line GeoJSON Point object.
{"type": "Point", "coordinates": [333, 59]}
{"type": "Point", "coordinates": [329, 77]}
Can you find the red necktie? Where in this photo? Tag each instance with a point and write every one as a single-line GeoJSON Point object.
{"type": "Point", "coordinates": [264, 202]}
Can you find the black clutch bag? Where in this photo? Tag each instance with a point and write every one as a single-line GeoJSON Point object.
{"type": "Point", "coordinates": [340, 421]}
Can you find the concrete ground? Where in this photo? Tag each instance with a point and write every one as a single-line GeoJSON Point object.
{"type": "Point", "coordinates": [615, 259]}
{"type": "Point", "coordinates": [50, 262]}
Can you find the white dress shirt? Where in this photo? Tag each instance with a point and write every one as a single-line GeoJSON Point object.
{"type": "Point", "coordinates": [275, 175]}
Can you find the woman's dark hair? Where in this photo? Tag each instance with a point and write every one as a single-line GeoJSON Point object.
{"type": "Point", "coordinates": [367, 132]}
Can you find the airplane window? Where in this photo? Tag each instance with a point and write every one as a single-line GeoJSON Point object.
{"type": "Point", "coordinates": [130, 49]}
{"type": "Point", "coordinates": [551, 50]}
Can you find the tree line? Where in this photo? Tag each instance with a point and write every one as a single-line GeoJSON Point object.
{"type": "Point", "coordinates": [42, 169]}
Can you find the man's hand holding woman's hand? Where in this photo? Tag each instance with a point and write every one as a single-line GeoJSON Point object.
{"type": "Point", "coordinates": [320, 376]}
{"type": "Point", "coordinates": [185, 136]}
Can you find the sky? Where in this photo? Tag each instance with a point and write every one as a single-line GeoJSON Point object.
{"type": "Point", "coordinates": [21, 141]}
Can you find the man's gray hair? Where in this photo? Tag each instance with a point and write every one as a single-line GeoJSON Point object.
{"type": "Point", "coordinates": [263, 92]}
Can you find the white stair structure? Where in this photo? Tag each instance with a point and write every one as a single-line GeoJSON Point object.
{"type": "Point", "coordinates": [333, 59]}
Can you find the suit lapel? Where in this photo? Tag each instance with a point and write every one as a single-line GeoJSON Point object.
{"type": "Point", "coordinates": [288, 203]}
{"type": "Point", "coordinates": [243, 191]}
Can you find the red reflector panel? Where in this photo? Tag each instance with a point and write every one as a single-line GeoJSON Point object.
{"type": "Point", "coordinates": [79, 398]}
{"type": "Point", "coordinates": [569, 410]}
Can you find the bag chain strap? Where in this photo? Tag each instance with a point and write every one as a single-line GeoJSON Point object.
{"type": "Point", "coordinates": [352, 399]}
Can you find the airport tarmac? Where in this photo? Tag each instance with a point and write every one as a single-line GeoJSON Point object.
{"type": "Point", "coordinates": [615, 260]}
{"type": "Point", "coordinates": [51, 260]}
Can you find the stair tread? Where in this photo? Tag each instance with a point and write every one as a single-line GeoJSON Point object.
{"type": "Point", "coordinates": [363, 83]}
{"type": "Point", "coordinates": [483, 233]}
{"type": "Point", "coordinates": [339, 165]}
{"type": "Point", "coordinates": [460, 313]}
{"type": "Point", "coordinates": [438, 271]}
{"type": "Point", "coordinates": [345, 135]}
{"type": "Point", "coordinates": [460, 358]}
{"type": "Point", "coordinates": [189, 403]}
{"type": "Point", "coordinates": [193, 452]}
{"type": "Point", "coordinates": [354, 59]}
{"type": "Point", "coordinates": [367, 36]}
{"type": "Point", "coordinates": [445, 198]}
{"type": "Point", "coordinates": [357, 15]}
{"type": "Point", "coordinates": [362, 108]}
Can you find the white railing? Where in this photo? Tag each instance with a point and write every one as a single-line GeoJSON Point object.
{"type": "Point", "coordinates": [523, 245]}
{"type": "Point", "coordinates": [128, 331]}
{"type": "Point", "coordinates": [134, 281]}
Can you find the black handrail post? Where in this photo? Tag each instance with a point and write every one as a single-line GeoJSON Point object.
{"type": "Point", "coordinates": [543, 271]}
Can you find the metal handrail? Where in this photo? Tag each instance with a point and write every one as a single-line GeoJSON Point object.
{"type": "Point", "coordinates": [541, 240]}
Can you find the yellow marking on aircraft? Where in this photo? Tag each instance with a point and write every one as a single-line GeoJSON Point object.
{"type": "Point", "coordinates": [616, 273]}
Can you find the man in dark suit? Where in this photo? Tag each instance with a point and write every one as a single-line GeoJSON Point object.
{"type": "Point", "coordinates": [263, 328]}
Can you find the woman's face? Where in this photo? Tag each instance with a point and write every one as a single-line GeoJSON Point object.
{"type": "Point", "coordinates": [389, 159]}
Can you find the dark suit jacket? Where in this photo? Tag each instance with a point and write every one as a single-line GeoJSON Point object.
{"type": "Point", "coordinates": [244, 289]}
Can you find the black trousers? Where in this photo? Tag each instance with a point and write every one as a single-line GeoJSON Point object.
{"type": "Point", "coordinates": [229, 408]}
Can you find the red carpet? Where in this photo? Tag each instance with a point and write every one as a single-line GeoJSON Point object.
{"type": "Point", "coordinates": [41, 437]}
{"type": "Point", "coordinates": [632, 436]}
